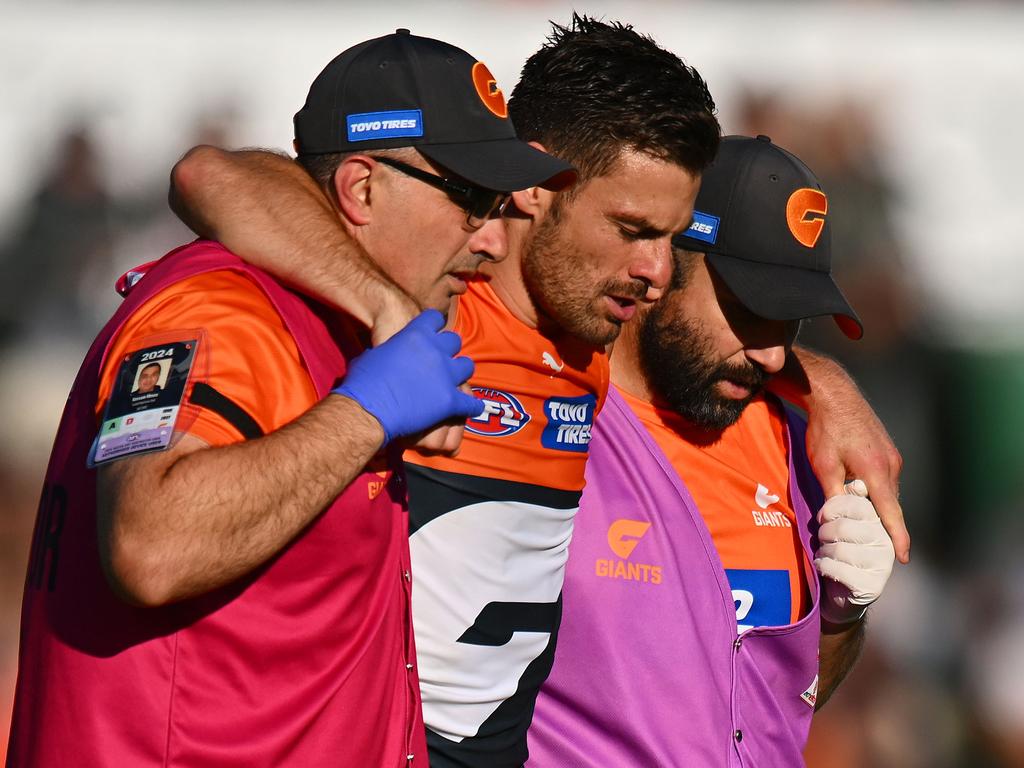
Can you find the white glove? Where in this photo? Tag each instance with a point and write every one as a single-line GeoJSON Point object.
{"type": "Point", "coordinates": [855, 555]}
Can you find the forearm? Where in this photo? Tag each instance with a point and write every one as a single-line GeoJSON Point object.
{"type": "Point", "coordinates": [839, 649]}
{"type": "Point", "coordinates": [267, 209]}
{"type": "Point", "coordinates": [173, 526]}
{"type": "Point", "coordinates": [809, 377]}
{"type": "Point", "coordinates": [845, 438]}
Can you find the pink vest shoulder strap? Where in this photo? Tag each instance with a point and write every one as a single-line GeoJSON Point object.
{"type": "Point", "coordinates": [312, 335]}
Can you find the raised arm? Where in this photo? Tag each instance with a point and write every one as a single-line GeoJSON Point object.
{"type": "Point", "coordinates": [845, 438]}
{"type": "Point", "coordinates": [267, 209]}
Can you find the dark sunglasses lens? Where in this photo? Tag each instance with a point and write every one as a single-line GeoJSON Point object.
{"type": "Point", "coordinates": [480, 204]}
{"type": "Point", "coordinates": [483, 203]}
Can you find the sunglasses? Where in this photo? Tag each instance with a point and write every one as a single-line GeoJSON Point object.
{"type": "Point", "coordinates": [479, 203]}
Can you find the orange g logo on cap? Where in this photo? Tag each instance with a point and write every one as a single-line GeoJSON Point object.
{"type": "Point", "coordinates": [488, 91]}
{"type": "Point", "coordinates": [805, 215]}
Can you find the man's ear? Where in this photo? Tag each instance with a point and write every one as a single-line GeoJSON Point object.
{"type": "Point", "coordinates": [562, 181]}
{"type": "Point", "coordinates": [532, 201]}
{"type": "Point", "coordinates": [353, 188]}
{"type": "Point", "coordinates": [537, 145]}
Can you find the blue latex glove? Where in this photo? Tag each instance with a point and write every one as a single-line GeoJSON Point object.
{"type": "Point", "coordinates": [411, 381]}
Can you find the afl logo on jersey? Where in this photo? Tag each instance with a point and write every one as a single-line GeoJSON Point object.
{"type": "Point", "coordinates": [503, 414]}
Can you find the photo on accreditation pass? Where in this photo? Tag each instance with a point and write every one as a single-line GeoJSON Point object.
{"type": "Point", "coordinates": [144, 401]}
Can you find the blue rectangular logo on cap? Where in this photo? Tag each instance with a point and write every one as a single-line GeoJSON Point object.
{"type": "Point", "coordinates": [398, 124]}
{"type": "Point", "coordinates": [704, 227]}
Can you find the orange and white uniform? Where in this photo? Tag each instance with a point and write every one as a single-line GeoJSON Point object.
{"type": "Point", "coordinates": [490, 530]}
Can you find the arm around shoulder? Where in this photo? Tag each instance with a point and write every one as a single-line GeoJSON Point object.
{"type": "Point", "coordinates": [845, 438]}
{"type": "Point", "coordinates": [264, 207]}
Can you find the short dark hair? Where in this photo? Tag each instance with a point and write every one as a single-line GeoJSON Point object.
{"type": "Point", "coordinates": [594, 89]}
{"type": "Point", "coordinates": [323, 167]}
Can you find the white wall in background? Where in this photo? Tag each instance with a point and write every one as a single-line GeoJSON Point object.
{"type": "Point", "coordinates": [947, 77]}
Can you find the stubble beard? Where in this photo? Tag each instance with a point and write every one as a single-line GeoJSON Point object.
{"type": "Point", "coordinates": [559, 286]}
{"type": "Point", "coordinates": [681, 369]}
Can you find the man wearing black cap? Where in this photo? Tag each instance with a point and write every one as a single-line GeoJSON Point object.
{"type": "Point", "coordinates": [690, 600]}
{"type": "Point", "coordinates": [259, 614]}
{"type": "Point", "coordinates": [490, 528]}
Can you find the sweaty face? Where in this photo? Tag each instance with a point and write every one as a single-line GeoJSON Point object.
{"type": "Point", "coordinates": [424, 242]}
{"type": "Point", "coordinates": [703, 353]}
{"type": "Point", "coordinates": [598, 254]}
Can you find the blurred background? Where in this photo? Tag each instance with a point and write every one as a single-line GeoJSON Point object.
{"type": "Point", "coordinates": [909, 112]}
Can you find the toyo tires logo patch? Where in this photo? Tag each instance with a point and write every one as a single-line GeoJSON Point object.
{"type": "Point", "coordinates": [503, 414]}
{"type": "Point", "coordinates": [570, 420]}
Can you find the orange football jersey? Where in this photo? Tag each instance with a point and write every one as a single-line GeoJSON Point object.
{"type": "Point", "coordinates": [490, 531]}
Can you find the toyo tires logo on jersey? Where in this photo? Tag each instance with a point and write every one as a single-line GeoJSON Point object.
{"type": "Point", "coordinates": [569, 422]}
{"type": "Point", "coordinates": [503, 414]}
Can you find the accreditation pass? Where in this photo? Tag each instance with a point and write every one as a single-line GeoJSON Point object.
{"type": "Point", "coordinates": [145, 400]}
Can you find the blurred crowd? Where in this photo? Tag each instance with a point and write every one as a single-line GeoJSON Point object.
{"type": "Point", "coordinates": [941, 682]}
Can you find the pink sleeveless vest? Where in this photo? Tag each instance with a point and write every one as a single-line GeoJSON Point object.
{"type": "Point", "coordinates": [305, 662]}
{"type": "Point", "coordinates": [650, 671]}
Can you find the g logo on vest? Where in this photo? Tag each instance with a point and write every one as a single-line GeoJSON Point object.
{"type": "Point", "coordinates": [624, 535]}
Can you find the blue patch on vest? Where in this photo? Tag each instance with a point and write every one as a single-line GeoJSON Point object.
{"type": "Point", "coordinates": [397, 124]}
{"type": "Point", "coordinates": [569, 421]}
{"type": "Point", "coordinates": [762, 598]}
{"type": "Point", "coordinates": [704, 227]}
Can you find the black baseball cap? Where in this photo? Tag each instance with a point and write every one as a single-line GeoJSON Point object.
{"type": "Point", "coordinates": [401, 90]}
{"type": "Point", "coordinates": [760, 217]}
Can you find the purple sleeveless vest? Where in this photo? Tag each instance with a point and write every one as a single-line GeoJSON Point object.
{"type": "Point", "coordinates": [649, 670]}
{"type": "Point", "coordinates": [306, 662]}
